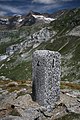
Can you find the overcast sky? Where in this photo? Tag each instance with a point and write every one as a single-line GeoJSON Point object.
{"type": "Point", "coordinates": [10, 7]}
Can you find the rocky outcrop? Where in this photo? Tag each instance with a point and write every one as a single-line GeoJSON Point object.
{"type": "Point", "coordinates": [17, 106]}
{"type": "Point", "coordinates": [24, 108]}
{"type": "Point", "coordinates": [75, 31]}
{"type": "Point", "coordinates": [35, 39]}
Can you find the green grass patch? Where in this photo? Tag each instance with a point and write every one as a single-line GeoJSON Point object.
{"type": "Point", "coordinates": [20, 72]}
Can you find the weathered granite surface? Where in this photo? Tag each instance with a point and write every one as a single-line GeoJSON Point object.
{"type": "Point", "coordinates": [46, 73]}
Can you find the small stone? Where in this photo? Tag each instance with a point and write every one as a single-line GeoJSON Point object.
{"type": "Point", "coordinates": [22, 91]}
{"type": "Point", "coordinates": [5, 93]}
{"type": "Point", "coordinates": [12, 84]}
{"type": "Point", "coordinates": [0, 89]}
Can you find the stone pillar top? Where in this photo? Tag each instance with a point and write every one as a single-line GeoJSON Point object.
{"type": "Point", "coordinates": [45, 52]}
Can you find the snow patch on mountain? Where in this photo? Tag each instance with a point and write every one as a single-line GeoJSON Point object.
{"type": "Point", "coordinates": [20, 19]}
{"type": "Point", "coordinates": [41, 17]}
{"type": "Point", "coordinates": [4, 21]}
{"type": "Point", "coordinates": [3, 57]}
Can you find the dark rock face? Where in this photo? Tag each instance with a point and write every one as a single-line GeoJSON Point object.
{"type": "Point", "coordinates": [29, 20]}
{"type": "Point", "coordinates": [46, 77]}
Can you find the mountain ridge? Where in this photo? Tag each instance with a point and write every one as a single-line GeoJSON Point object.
{"type": "Point", "coordinates": [11, 22]}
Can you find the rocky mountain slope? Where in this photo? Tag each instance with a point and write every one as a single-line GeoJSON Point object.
{"type": "Point", "coordinates": [20, 36]}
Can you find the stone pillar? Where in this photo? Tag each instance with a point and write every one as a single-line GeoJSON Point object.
{"type": "Point", "coordinates": [46, 77]}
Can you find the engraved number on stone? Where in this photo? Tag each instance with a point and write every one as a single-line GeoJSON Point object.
{"type": "Point", "coordinates": [38, 63]}
{"type": "Point", "coordinates": [53, 63]}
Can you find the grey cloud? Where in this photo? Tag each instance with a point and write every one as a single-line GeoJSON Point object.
{"type": "Point", "coordinates": [10, 8]}
{"type": "Point", "coordinates": [50, 1]}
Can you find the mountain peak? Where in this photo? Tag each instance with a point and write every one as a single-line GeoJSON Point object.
{"type": "Point", "coordinates": [34, 12]}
